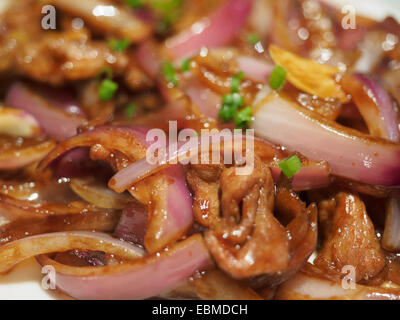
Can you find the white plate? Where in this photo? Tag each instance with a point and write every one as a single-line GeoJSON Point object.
{"type": "Point", "coordinates": [24, 282]}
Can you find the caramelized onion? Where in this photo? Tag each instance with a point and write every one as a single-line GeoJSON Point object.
{"type": "Point", "coordinates": [166, 194]}
{"type": "Point", "coordinates": [113, 138]}
{"type": "Point", "coordinates": [349, 153]}
{"type": "Point", "coordinates": [137, 279]}
{"type": "Point", "coordinates": [90, 221]}
{"type": "Point", "coordinates": [311, 175]}
{"type": "Point", "coordinates": [14, 252]}
{"type": "Point", "coordinates": [98, 194]}
{"type": "Point", "coordinates": [21, 157]}
{"type": "Point", "coordinates": [15, 209]}
{"type": "Point", "coordinates": [311, 287]}
{"type": "Point", "coordinates": [391, 235]}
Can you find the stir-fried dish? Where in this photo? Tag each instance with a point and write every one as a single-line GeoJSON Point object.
{"type": "Point", "coordinates": [201, 149]}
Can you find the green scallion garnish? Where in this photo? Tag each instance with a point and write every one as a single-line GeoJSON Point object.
{"type": "Point", "coordinates": [290, 166]}
{"type": "Point", "coordinates": [253, 38]}
{"type": "Point", "coordinates": [231, 103]}
{"type": "Point", "coordinates": [185, 66]}
{"type": "Point", "coordinates": [107, 89]}
{"type": "Point", "coordinates": [235, 84]}
{"type": "Point", "coordinates": [134, 3]}
{"type": "Point", "coordinates": [130, 110]}
{"type": "Point", "coordinates": [278, 78]}
{"type": "Point", "coordinates": [169, 73]}
{"type": "Point", "coordinates": [244, 118]}
{"type": "Point", "coordinates": [227, 112]}
{"type": "Point", "coordinates": [119, 45]}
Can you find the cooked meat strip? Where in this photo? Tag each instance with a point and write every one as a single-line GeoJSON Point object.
{"type": "Point", "coordinates": [246, 239]}
{"type": "Point", "coordinates": [349, 238]}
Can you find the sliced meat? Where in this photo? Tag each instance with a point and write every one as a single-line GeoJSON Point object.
{"type": "Point", "coordinates": [250, 237]}
{"type": "Point", "coordinates": [349, 238]}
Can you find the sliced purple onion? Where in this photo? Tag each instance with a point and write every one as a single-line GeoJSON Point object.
{"type": "Point", "coordinates": [376, 107]}
{"type": "Point", "coordinates": [213, 31]}
{"type": "Point", "coordinates": [133, 223]}
{"type": "Point", "coordinates": [349, 153]}
{"type": "Point", "coordinates": [57, 123]}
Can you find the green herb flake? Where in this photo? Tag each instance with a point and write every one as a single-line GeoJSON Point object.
{"type": "Point", "coordinates": [253, 38]}
{"type": "Point", "coordinates": [290, 166]}
{"type": "Point", "coordinates": [231, 103]}
{"type": "Point", "coordinates": [278, 78]}
{"type": "Point", "coordinates": [107, 89]}
{"type": "Point", "coordinates": [130, 110]}
{"type": "Point", "coordinates": [235, 84]}
{"type": "Point", "coordinates": [244, 118]}
{"type": "Point", "coordinates": [119, 45]}
{"type": "Point", "coordinates": [134, 3]}
{"type": "Point", "coordinates": [227, 112]}
{"type": "Point", "coordinates": [185, 65]}
{"type": "Point", "coordinates": [169, 73]}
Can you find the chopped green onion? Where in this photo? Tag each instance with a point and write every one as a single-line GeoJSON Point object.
{"type": "Point", "coordinates": [130, 110]}
{"type": "Point", "coordinates": [244, 118]}
{"type": "Point", "coordinates": [231, 103]}
{"type": "Point", "coordinates": [119, 45]}
{"type": "Point", "coordinates": [185, 66]}
{"type": "Point", "coordinates": [169, 73]}
{"type": "Point", "coordinates": [233, 99]}
{"type": "Point", "coordinates": [237, 100]}
{"type": "Point", "coordinates": [290, 166]}
{"type": "Point", "coordinates": [278, 78]}
{"type": "Point", "coordinates": [107, 89]}
{"type": "Point", "coordinates": [227, 112]}
{"type": "Point", "coordinates": [253, 38]}
{"type": "Point", "coordinates": [235, 84]}
{"type": "Point", "coordinates": [134, 3]}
